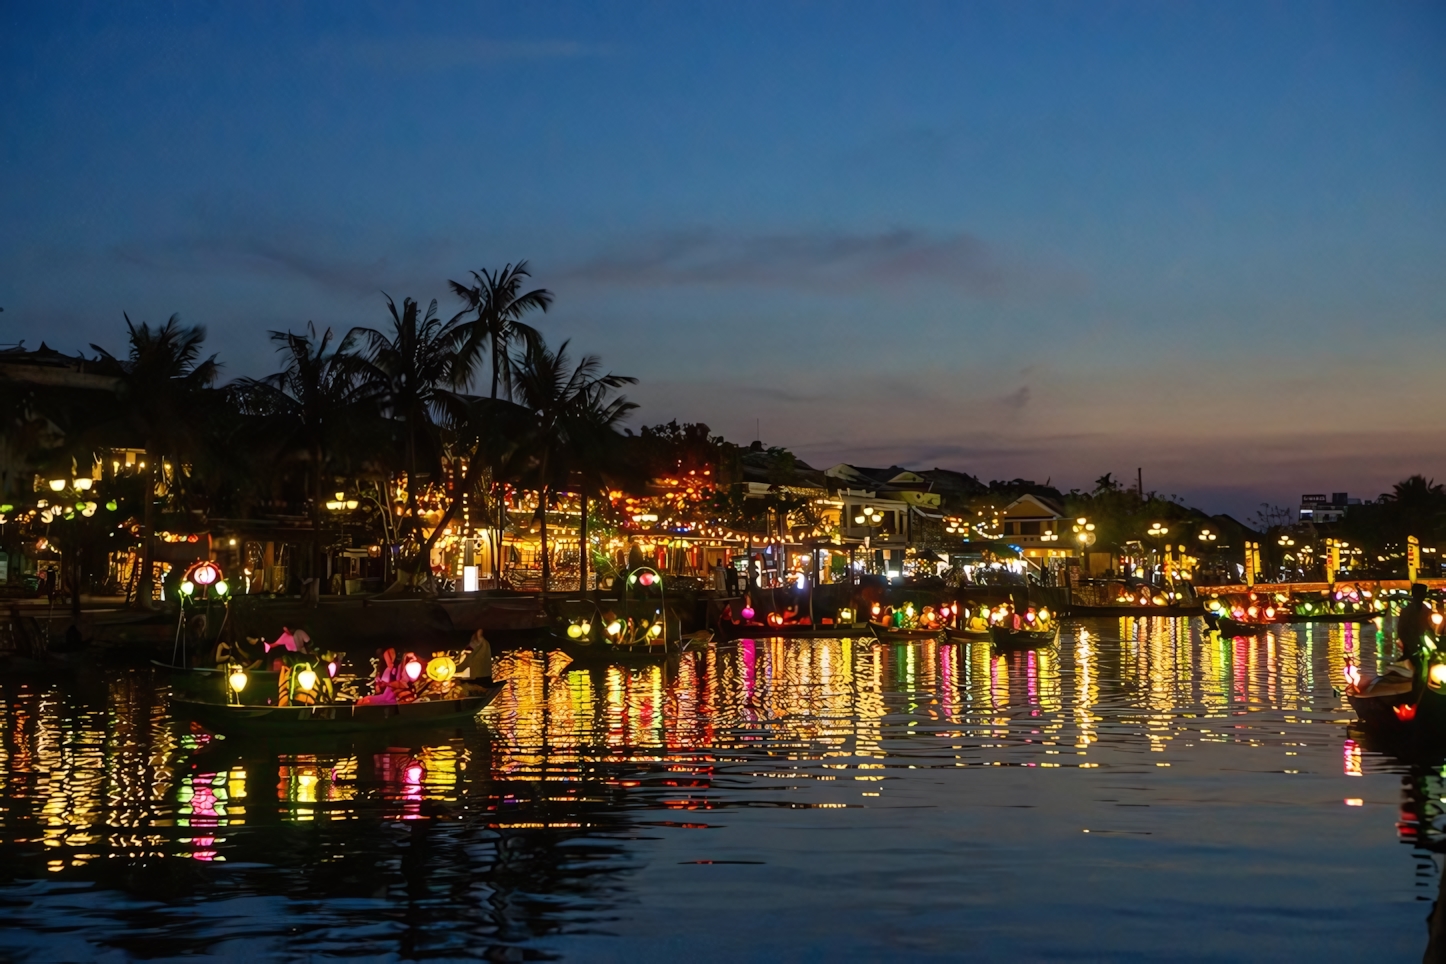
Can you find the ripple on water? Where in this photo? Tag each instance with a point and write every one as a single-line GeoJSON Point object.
{"type": "Point", "coordinates": [1141, 787]}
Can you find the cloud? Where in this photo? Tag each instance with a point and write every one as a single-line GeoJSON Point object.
{"type": "Point", "coordinates": [821, 260]}
{"type": "Point", "coordinates": [255, 256]}
{"type": "Point", "coordinates": [444, 52]}
{"type": "Point", "coordinates": [1016, 399]}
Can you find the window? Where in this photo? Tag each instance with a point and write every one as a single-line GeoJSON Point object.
{"type": "Point", "coordinates": [1029, 528]}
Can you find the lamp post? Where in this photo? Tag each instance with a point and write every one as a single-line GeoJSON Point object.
{"type": "Point", "coordinates": [1157, 532]}
{"type": "Point", "coordinates": [872, 518]}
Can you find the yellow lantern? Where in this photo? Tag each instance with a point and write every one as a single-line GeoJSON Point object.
{"type": "Point", "coordinates": [237, 679]}
{"type": "Point", "coordinates": [306, 679]}
{"type": "Point", "coordinates": [441, 669]}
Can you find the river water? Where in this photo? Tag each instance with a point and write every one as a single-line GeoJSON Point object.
{"type": "Point", "coordinates": [1143, 791]}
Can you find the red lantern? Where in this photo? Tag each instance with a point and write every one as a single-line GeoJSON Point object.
{"type": "Point", "coordinates": [1405, 712]}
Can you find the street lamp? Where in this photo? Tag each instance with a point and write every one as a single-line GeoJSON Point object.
{"type": "Point", "coordinates": [870, 517]}
{"type": "Point", "coordinates": [1207, 536]}
{"type": "Point", "coordinates": [1084, 532]}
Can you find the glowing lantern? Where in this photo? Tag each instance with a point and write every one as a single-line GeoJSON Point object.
{"type": "Point", "coordinates": [57, 484]}
{"type": "Point", "coordinates": [775, 619]}
{"type": "Point", "coordinates": [112, 505]}
{"type": "Point", "coordinates": [306, 679]}
{"type": "Point", "coordinates": [331, 668]}
{"type": "Point", "coordinates": [237, 679]}
{"type": "Point", "coordinates": [1438, 674]}
{"type": "Point", "coordinates": [845, 615]}
{"type": "Point", "coordinates": [221, 587]}
{"type": "Point", "coordinates": [1405, 712]}
{"type": "Point", "coordinates": [586, 627]}
{"type": "Point", "coordinates": [656, 630]}
{"type": "Point", "coordinates": [413, 669]}
{"type": "Point", "coordinates": [616, 627]}
{"type": "Point", "coordinates": [1436, 619]}
{"type": "Point", "coordinates": [205, 573]}
{"type": "Point", "coordinates": [747, 612]}
{"type": "Point", "coordinates": [441, 669]}
{"type": "Point", "coordinates": [647, 578]}
{"type": "Point", "coordinates": [574, 631]}
{"type": "Point", "coordinates": [187, 587]}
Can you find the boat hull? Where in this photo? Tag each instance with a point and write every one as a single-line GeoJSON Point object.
{"type": "Point", "coordinates": [968, 635]}
{"type": "Point", "coordinates": [887, 634]}
{"type": "Point", "coordinates": [329, 718]}
{"type": "Point", "coordinates": [1140, 612]}
{"type": "Point", "coordinates": [1229, 627]}
{"type": "Point", "coordinates": [1005, 638]}
{"type": "Point", "coordinates": [730, 631]}
{"type": "Point", "coordinates": [1423, 734]}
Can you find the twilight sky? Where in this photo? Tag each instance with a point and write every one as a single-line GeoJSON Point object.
{"type": "Point", "coordinates": [1046, 240]}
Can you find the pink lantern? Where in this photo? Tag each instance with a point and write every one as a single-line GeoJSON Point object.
{"type": "Point", "coordinates": [747, 612]}
{"type": "Point", "coordinates": [413, 670]}
{"type": "Point", "coordinates": [205, 573]}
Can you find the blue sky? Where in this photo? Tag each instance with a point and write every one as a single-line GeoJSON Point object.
{"type": "Point", "coordinates": [1046, 240]}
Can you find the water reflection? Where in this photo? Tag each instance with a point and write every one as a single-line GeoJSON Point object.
{"type": "Point", "coordinates": [530, 835]}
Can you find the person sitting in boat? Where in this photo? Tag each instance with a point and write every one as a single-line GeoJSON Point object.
{"type": "Point", "coordinates": [294, 642]}
{"type": "Point", "coordinates": [475, 663]}
{"type": "Point", "coordinates": [1415, 631]}
{"type": "Point", "coordinates": [389, 683]}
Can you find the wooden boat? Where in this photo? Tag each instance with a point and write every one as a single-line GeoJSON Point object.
{"type": "Point", "coordinates": [968, 635]}
{"type": "Point", "coordinates": [1405, 722]}
{"type": "Point", "coordinates": [1007, 638]}
{"type": "Point", "coordinates": [1133, 612]}
{"type": "Point", "coordinates": [206, 683]}
{"type": "Point", "coordinates": [1332, 617]}
{"type": "Point", "coordinates": [329, 718]}
{"type": "Point", "coordinates": [786, 631]}
{"type": "Point", "coordinates": [893, 634]}
{"type": "Point", "coordinates": [1226, 626]}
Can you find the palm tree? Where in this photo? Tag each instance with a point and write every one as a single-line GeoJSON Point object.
{"type": "Point", "coordinates": [406, 368]}
{"type": "Point", "coordinates": [488, 437]}
{"type": "Point", "coordinates": [160, 391]}
{"type": "Point", "coordinates": [308, 407]}
{"type": "Point", "coordinates": [595, 450]}
{"type": "Point", "coordinates": [497, 300]}
{"type": "Point", "coordinates": [571, 407]}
